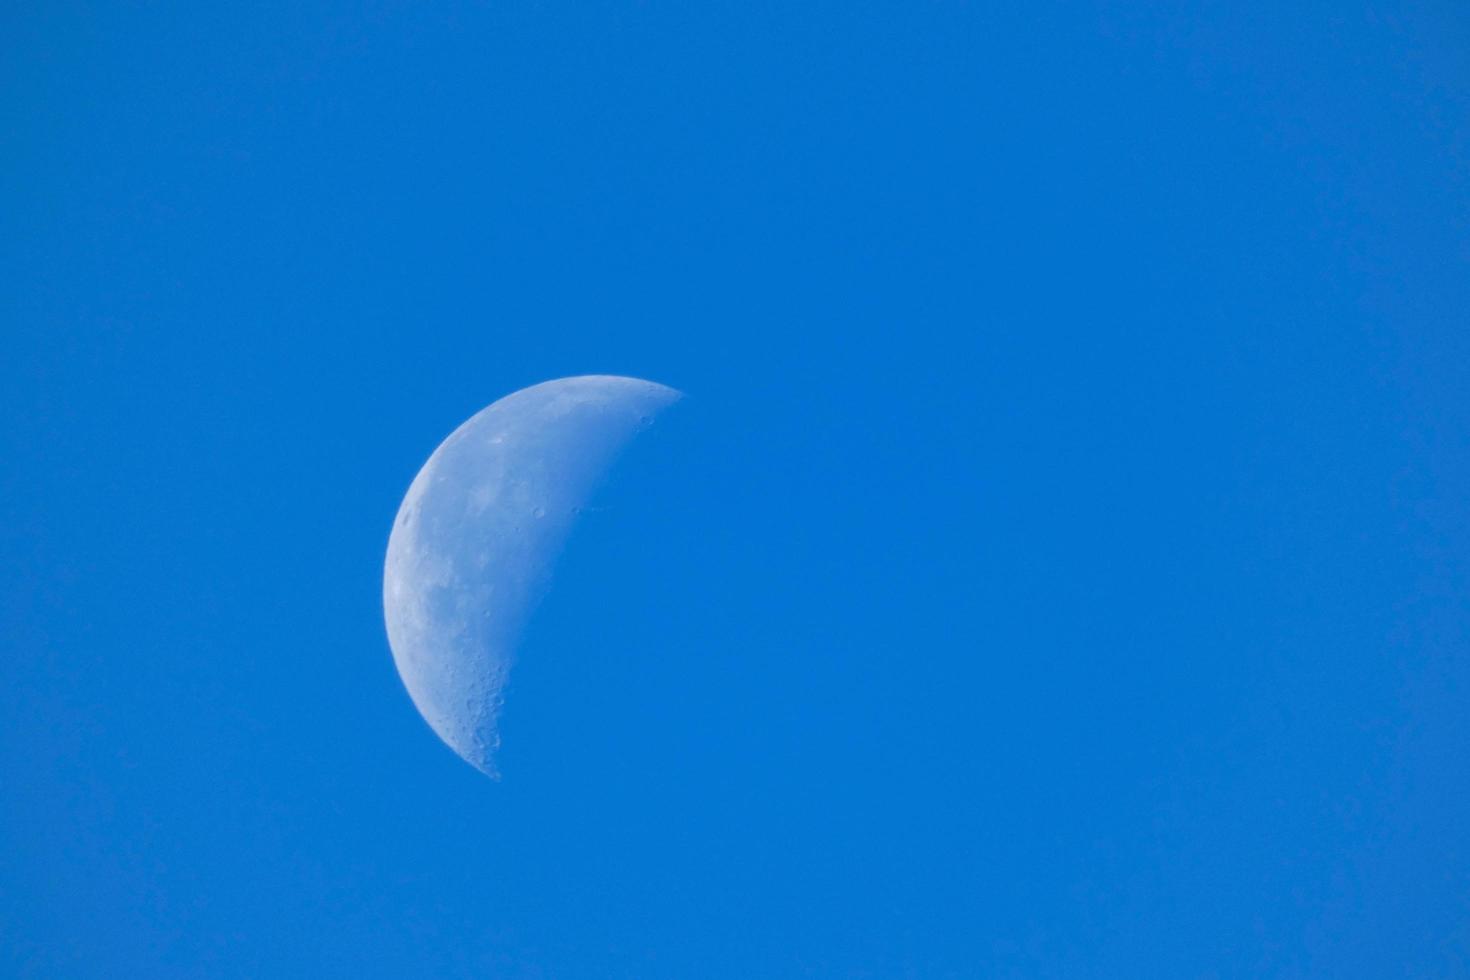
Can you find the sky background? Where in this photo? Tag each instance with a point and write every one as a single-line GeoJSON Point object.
{"type": "Point", "coordinates": [1059, 567]}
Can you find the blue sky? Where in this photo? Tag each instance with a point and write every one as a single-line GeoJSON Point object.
{"type": "Point", "coordinates": [1060, 565]}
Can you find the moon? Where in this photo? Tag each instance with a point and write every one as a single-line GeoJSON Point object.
{"type": "Point", "coordinates": [475, 539]}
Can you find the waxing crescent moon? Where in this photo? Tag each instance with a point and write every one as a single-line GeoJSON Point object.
{"type": "Point", "coordinates": [476, 536]}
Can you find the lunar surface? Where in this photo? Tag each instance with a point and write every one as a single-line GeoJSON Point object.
{"type": "Point", "coordinates": [475, 539]}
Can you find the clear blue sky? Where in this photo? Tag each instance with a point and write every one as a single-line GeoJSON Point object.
{"type": "Point", "coordinates": [1059, 567]}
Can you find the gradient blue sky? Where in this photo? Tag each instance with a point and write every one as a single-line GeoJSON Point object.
{"type": "Point", "coordinates": [1059, 567]}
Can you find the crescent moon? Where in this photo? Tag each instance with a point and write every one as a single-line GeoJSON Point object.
{"type": "Point", "coordinates": [475, 539]}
